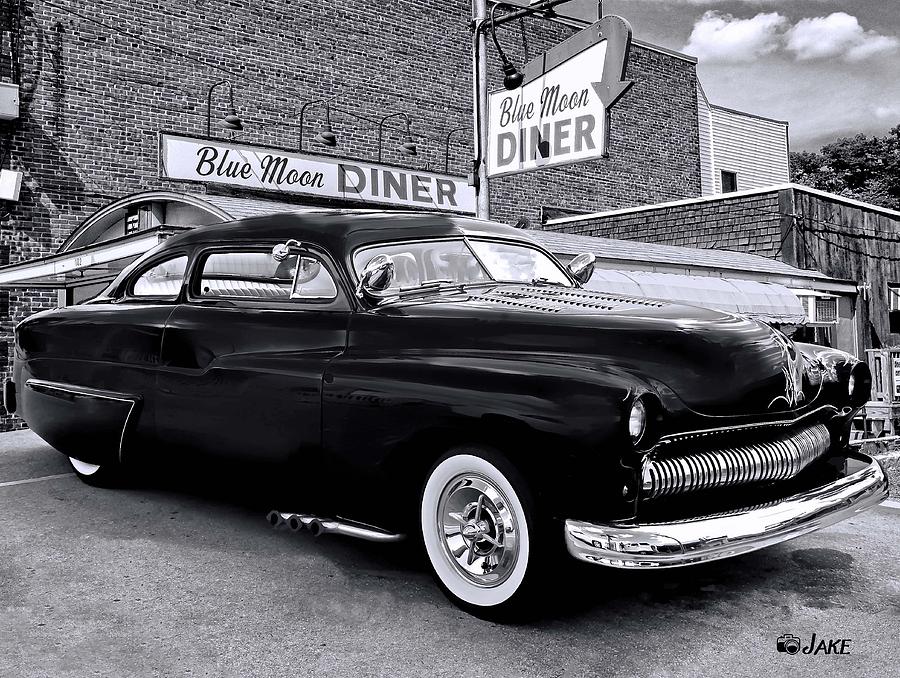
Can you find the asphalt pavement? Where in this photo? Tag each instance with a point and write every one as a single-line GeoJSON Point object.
{"type": "Point", "coordinates": [176, 578]}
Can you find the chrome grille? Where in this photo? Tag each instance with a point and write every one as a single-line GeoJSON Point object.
{"type": "Point", "coordinates": [776, 459]}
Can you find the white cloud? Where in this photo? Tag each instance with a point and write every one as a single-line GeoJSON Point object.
{"type": "Point", "coordinates": [887, 112]}
{"type": "Point", "coordinates": [837, 35]}
{"type": "Point", "coordinates": [723, 38]}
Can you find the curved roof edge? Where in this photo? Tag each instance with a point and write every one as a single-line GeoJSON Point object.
{"type": "Point", "coordinates": [137, 199]}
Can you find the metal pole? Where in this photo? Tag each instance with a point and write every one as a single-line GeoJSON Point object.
{"type": "Point", "coordinates": [537, 8]}
{"type": "Point", "coordinates": [480, 100]}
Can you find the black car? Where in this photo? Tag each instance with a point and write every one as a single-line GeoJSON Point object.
{"type": "Point", "coordinates": [447, 377]}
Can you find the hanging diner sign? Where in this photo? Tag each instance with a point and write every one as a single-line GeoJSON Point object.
{"type": "Point", "coordinates": [211, 160]}
{"type": "Point", "coordinates": [560, 113]}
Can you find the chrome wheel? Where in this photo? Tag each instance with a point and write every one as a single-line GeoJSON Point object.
{"type": "Point", "coordinates": [476, 531]}
{"type": "Point", "coordinates": [480, 535]}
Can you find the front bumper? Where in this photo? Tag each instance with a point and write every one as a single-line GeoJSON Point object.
{"type": "Point", "coordinates": [686, 542]}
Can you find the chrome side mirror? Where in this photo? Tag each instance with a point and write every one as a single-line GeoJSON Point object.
{"type": "Point", "coordinates": [376, 277]}
{"type": "Point", "coordinates": [582, 267]}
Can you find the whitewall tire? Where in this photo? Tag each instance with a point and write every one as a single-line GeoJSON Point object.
{"type": "Point", "coordinates": [477, 528]}
{"type": "Point", "coordinates": [82, 468]}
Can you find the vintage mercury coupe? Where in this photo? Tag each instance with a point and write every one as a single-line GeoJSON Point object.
{"type": "Point", "coordinates": [447, 377]}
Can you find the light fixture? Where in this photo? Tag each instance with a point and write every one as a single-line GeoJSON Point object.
{"type": "Point", "coordinates": [326, 135]}
{"type": "Point", "coordinates": [447, 147]}
{"type": "Point", "coordinates": [407, 146]}
{"type": "Point", "coordinates": [512, 78]}
{"type": "Point", "coordinates": [231, 121]}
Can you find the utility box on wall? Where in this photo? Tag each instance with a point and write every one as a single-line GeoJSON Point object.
{"type": "Point", "coordinates": [9, 101]}
{"type": "Point", "coordinates": [10, 185]}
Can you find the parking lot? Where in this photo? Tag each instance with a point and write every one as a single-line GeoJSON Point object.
{"type": "Point", "coordinates": [165, 579]}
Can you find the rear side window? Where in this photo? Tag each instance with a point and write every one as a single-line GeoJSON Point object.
{"type": "Point", "coordinates": [258, 275]}
{"type": "Point", "coordinates": [162, 279]}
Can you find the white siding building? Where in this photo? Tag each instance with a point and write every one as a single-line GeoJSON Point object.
{"type": "Point", "coordinates": [740, 151]}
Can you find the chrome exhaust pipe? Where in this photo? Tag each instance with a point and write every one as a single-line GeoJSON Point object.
{"type": "Point", "coordinates": [319, 526]}
{"type": "Point", "coordinates": [297, 521]}
{"type": "Point", "coordinates": [276, 519]}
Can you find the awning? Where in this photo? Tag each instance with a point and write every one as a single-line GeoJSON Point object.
{"type": "Point", "coordinates": [84, 265]}
{"type": "Point", "coordinates": [769, 302]}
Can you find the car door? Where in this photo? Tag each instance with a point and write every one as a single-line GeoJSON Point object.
{"type": "Point", "coordinates": [243, 357]}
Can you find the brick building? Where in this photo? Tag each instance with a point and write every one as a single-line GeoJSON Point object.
{"type": "Point", "coordinates": [99, 82]}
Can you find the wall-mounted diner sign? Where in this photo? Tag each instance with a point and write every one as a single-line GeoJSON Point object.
{"type": "Point", "coordinates": [560, 113]}
{"type": "Point", "coordinates": [211, 160]}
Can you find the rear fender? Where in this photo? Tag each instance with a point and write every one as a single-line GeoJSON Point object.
{"type": "Point", "coordinates": [85, 423]}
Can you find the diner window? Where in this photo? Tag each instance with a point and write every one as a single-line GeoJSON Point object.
{"type": "Point", "coordinates": [162, 279]}
{"type": "Point", "coordinates": [729, 181]}
{"type": "Point", "coordinates": [894, 307]}
{"type": "Point", "coordinates": [258, 275]}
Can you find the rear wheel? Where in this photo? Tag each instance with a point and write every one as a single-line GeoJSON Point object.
{"type": "Point", "coordinates": [106, 475]}
{"type": "Point", "coordinates": [477, 520]}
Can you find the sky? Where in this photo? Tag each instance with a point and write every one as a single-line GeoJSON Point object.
{"type": "Point", "coordinates": [831, 68]}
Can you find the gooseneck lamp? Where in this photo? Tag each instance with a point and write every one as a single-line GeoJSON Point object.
{"type": "Point", "coordinates": [231, 121]}
{"type": "Point", "coordinates": [447, 147]}
{"type": "Point", "coordinates": [407, 146]}
{"type": "Point", "coordinates": [326, 136]}
{"type": "Point", "coordinates": [512, 78]}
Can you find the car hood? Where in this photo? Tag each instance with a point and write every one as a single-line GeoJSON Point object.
{"type": "Point", "coordinates": [710, 362]}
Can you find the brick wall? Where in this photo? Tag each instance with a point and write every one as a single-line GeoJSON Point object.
{"type": "Point", "coordinates": [743, 224]}
{"type": "Point", "coordinates": [99, 80]}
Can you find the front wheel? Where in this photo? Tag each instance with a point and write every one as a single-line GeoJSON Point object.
{"type": "Point", "coordinates": [478, 528]}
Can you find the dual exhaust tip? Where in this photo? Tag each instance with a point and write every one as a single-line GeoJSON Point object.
{"type": "Point", "coordinates": [296, 522]}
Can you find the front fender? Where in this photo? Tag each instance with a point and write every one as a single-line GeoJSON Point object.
{"type": "Point", "coordinates": [560, 419]}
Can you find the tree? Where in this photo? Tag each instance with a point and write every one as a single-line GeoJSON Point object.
{"type": "Point", "coordinates": [860, 167]}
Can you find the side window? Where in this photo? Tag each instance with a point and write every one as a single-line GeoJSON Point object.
{"type": "Point", "coordinates": [257, 275]}
{"type": "Point", "coordinates": [312, 281]}
{"type": "Point", "coordinates": [162, 279]}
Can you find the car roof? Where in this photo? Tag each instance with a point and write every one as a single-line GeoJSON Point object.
{"type": "Point", "coordinates": [343, 231]}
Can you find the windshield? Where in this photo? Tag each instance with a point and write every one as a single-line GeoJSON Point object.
{"type": "Point", "coordinates": [460, 261]}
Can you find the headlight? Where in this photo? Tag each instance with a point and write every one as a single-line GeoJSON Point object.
{"type": "Point", "coordinates": [637, 420]}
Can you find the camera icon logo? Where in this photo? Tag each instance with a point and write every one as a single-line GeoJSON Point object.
{"type": "Point", "coordinates": [788, 643]}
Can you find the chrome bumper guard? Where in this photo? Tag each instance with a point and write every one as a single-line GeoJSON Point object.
{"type": "Point", "coordinates": [713, 537]}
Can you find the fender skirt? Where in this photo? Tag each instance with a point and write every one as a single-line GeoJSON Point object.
{"type": "Point", "coordinates": [85, 423]}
